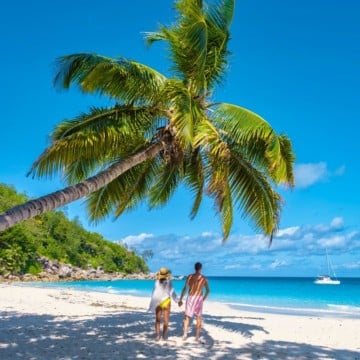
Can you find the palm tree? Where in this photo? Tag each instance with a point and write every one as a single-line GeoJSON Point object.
{"type": "Point", "coordinates": [162, 131]}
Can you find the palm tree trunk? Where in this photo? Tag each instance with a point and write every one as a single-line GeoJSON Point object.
{"type": "Point", "coordinates": [65, 196]}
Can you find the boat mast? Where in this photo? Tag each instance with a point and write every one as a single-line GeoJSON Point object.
{"type": "Point", "coordinates": [330, 268]}
{"type": "Point", "coordinates": [328, 262]}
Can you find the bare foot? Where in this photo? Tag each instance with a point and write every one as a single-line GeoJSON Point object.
{"type": "Point", "coordinates": [157, 338]}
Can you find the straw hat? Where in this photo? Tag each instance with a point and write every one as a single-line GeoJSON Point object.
{"type": "Point", "coordinates": [163, 273]}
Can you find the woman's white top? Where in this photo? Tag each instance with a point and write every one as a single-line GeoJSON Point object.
{"type": "Point", "coordinates": [162, 291]}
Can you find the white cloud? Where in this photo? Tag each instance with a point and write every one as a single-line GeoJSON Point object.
{"type": "Point", "coordinates": [250, 244]}
{"type": "Point", "coordinates": [283, 244]}
{"type": "Point", "coordinates": [352, 265]}
{"type": "Point", "coordinates": [332, 242]}
{"type": "Point", "coordinates": [309, 174]}
{"type": "Point", "coordinates": [250, 254]}
{"type": "Point", "coordinates": [277, 263]}
{"type": "Point", "coordinates": [232, 266]}
{"type": "Point", "coordinates": [207, 234]}
{"type": "Point", "coordinates": [287, 231]}
{"type": "Point", "coordinates": [133, 240]}
{"type": "Point", "coordinates": [337, 223]}
{"type": "Point", "coordinates": [255, 267]}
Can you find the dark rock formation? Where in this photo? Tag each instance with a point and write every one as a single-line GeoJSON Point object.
{"type": "Point", "coordinates": [53, 270]}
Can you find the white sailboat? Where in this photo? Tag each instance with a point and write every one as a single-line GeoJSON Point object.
{"type": "Point", "coordinates": [327, 279]}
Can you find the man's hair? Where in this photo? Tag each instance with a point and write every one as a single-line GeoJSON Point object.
{"type": "Point", "coordinates": [198, 266]}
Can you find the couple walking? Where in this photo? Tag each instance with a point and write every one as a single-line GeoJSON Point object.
{"type": "Point", "coordinates": [163, 293]}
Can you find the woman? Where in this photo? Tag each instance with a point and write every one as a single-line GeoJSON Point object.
{"type": "Point", "coordinates": [161, 301]}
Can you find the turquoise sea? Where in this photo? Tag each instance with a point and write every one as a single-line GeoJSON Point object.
{"type": "Point", "coordinates": [289, 295]}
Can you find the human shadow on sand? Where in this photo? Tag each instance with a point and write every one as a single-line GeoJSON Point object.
{"type": "Point", "coordinates": [130, 336]}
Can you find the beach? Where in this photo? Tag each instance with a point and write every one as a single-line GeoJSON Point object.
{"type": "Point", "coordinates": [47, 323]}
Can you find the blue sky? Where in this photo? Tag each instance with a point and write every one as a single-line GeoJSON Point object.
{"type": "Point", "coordinates": [296, 63]}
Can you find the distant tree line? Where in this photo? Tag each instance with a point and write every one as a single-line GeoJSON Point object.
{"type": "Point", "coordinates": [54, 236]}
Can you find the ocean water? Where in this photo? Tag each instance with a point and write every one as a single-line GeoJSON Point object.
{"type": "Point", "coordinates": [295, 295]}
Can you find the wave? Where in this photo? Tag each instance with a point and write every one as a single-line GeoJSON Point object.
{"type": "Point", "coordinates": [111, 291]}
{"type": "Point", "coordinates": [332, 310]}
{"type": "Point", "coordinates": [345, 308]}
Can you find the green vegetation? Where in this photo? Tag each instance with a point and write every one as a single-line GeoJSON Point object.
{"type": "Point", "coordinates": [55, 237]}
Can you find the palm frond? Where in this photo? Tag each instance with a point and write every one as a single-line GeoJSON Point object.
{"type": "Point", "coordinates": [198, 42]}
{"type": "Point", "coordinates": [257, 140]}
{"type": "Point", "coordinates": [93, 121]}
{"type": "Point", "coordinates": [138, 189]}
{"type": "Point", "coordinates": [227, 215]}
{"type": "Point", "coordinates": [79, 170]}
{"type": "Point", "coordinates": [194, 178]}
{"type": "Point", "coordinates": [218, 19]}
{"type": "Point", "coordinates": [165, 184]}
{"type": "Point", "coordinates": [120, 79]}
{"type": "Point", "coordinates": [124, 118]}
{"type": "Point", "coordinates": [230, 175]}
{"type": "Point", "coordinates": [216, 170]}
{"type": "Point", "coordinates": [221, 13]}
{"type": "Point", "coordinates": [240, 124]}
{"type": "Point", "coordinates": [217, 184]}
{"type": "Point", "coordinates": [93, 140]}
{"type": "Point", "coordinates": [185, 111]}
{"type": "Point", "coordinates": [210, 140]}
{"type": "Point", "coordinates": [153, 36]}
{"type": "Point", "coordinates": [122, 194]}
{"type": "Point", "coordinates": [254, 195]}
{"type": "Point", "coordinates": [282, 170]}
{"type": "Point", "coordinates": [217, 178]}
{"type": "Point", "coordinates": [188, 44]}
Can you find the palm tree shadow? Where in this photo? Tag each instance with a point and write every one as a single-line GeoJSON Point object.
{"type": "Point", "coordinates": [231, 323]}
{"type": "Point", "coordinates": [130, 336]}
{"type": "Point", "coordinates": [275, 350]}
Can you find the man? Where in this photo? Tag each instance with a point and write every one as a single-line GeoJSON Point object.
{"type": "Point", "coordinates": [194, 303]}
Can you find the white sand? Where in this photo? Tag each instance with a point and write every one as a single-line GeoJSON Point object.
{"type": "Point", "coordinates": [51, 324]}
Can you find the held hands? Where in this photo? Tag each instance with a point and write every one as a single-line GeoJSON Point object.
{"type": "Point", "coordinates": [180, 303]}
